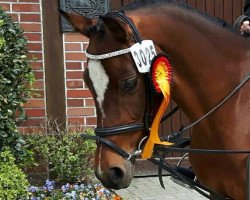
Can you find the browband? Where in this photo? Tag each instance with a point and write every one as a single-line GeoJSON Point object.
{"type": "Point", "coordinates": [107, 55]}
{"type": "Point", "coordinates": [136, 36]}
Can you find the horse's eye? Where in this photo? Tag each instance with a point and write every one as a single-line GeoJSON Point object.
{"type": "Point", "coordinates": [129, 84]}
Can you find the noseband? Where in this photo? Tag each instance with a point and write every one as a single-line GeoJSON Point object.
{"type": "Point", "coordinates": [101, 133]}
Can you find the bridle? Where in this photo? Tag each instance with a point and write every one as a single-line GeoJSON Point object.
{"type": "Point", "coordinates": [101, 133]}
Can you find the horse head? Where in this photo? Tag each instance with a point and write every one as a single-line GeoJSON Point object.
{"type": "Point", "coordinates": [119, 91]}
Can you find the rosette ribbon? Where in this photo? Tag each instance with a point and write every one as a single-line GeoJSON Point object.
{"type": "Point", "coordinates": [161, 77]}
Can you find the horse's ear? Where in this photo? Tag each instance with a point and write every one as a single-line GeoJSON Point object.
{"type": "Point", "coordinates": [80, 23]}
{"type": "Point", "coordinates": [117, 28]}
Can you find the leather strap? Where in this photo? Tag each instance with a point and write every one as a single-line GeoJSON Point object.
{"type": "Point", "coordinates": [123, 17]}
{"type": "Point", "coordinates": [191, 125]}
{"type": "Point", "coordinates": [193, 184]}
{"type": "Point", "coordinates": [200, 151]}
{"type": "Point", "coordinates": [113, 146]}
{"type": "Point", "coordinates": [165, 117]}
{"type": "Point", "coordinates": [103, 132]}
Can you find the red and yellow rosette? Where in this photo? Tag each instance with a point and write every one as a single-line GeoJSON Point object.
{"type": "Point", "coordinates": [161, 71]}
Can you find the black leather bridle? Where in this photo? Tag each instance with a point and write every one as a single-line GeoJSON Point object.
{"type": "Point", "coordinates": [101, 133]}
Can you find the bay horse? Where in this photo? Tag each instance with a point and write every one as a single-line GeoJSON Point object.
{"type": "Point", "coordinates": [209, 60]}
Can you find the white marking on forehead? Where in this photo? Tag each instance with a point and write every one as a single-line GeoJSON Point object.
{"type": "Point", "coordinates": [99, 80]}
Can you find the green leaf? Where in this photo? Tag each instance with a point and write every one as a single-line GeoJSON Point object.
{"type": "Point", "coordinates": [16, 79]}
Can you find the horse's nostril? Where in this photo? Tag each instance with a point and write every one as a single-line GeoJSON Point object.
{"type": "Point", "coordinates": [115, 178]}
{"type": "Point", "coordinates": [115, 173]}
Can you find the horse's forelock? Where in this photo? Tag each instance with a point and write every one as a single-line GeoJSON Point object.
{"type": "Point", "coordinates": [97, 28]}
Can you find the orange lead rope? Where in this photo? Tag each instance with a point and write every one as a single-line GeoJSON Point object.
{"type": "Point", "coordinates": [161, 77]}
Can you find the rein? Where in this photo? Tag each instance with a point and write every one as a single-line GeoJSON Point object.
{"type": "Point", "coordinates": [201, 189]}
{"type": "Point", "coordinates": [183, 129]}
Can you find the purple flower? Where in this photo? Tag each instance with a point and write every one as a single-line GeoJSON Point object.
{"type": "Point", "coordinates": [50, 188]}
{"type": "Point", "coordinates": [35, 198]}
{"type": "Point", "coordinates": [67, 185]}
{"type": "Point", "coordinates": [49, 183]}
{"type": "Point", "coordinates": [76, 187]}
{"type": "Point", "coordinates": [64, 189]}
{"type": "Point", "coordinates": [94, 192]}
{"type": "Point", "coordinates": [33, 189]}
{"type": "Point", "coordinates": [44, 188]}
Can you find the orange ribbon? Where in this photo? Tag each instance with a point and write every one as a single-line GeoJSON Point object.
{"type": "Point", "coordinates": [163, 83]}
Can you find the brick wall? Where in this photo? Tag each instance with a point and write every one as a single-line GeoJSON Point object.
{"type": "Point", "coordinates": [80, 109]}
{"type": "Point", "coordinates": [80, 105]}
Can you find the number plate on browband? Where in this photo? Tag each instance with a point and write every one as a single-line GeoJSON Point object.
{"type": "Point", "coordinates": [143, 54]}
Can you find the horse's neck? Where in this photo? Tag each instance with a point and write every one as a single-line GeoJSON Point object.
{"type": "Point", "coordinates": [204, 56]}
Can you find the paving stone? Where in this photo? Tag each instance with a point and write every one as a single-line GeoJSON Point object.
{"type": "Point", "coordinates": [149, 188]}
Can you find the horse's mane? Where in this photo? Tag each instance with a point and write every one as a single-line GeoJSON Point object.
{"type": "Point", "coordinates": [148, 3]}
{"type": "Point", "coordinates": [144, 3]}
